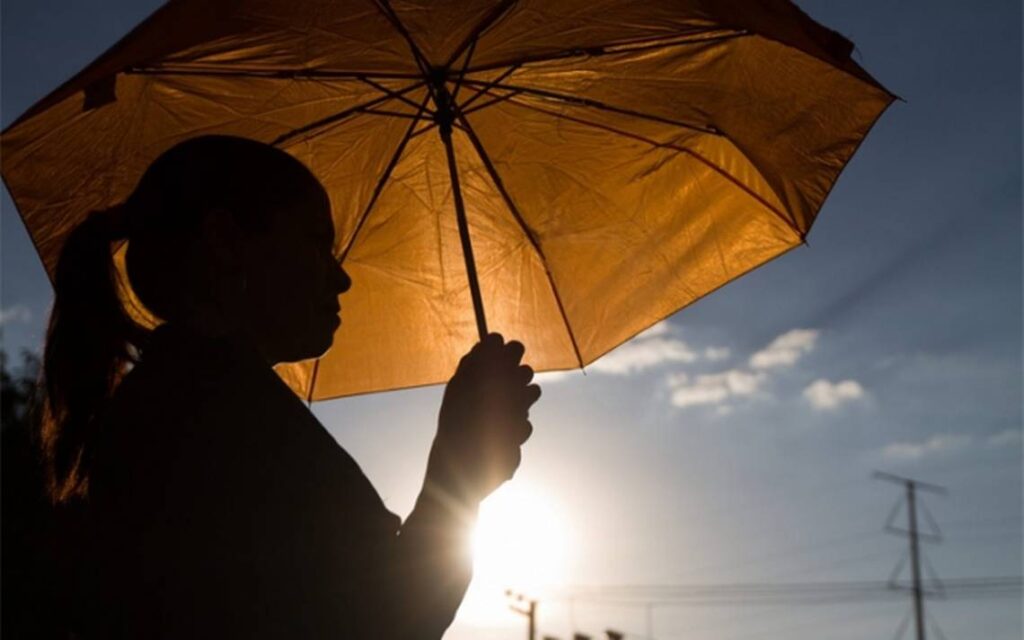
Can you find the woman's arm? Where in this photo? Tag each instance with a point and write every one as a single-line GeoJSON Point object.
{"type": "Point", "coordinates": [484, 420]}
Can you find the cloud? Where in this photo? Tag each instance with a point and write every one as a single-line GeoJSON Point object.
{"type": "Point", "coordinates": [1005, 438]}
{"type": "Point", "coordinates": [657, 329]}
{"type": "Point", "coordinates": [678, 379]}
{"type": "Point", "coordinates": [950, 443]}
{"type": "Point", "coordinates": [826, 396]}
{"type": "Point", "coordinates": [17, 313]}
{"type": "Point", "coordinates": [785, 350]}
{"type": "Point", "coordinates": [547, 377]}
{"type": "Point", "coordinates": [656, 346]}
{"type": "Point", "coordinates": [725, 386]}
{"type": "Point", "coordinates": [714, 388]}
{"type": "Point", "coordinates": [716, 354]}
{"type": "Point", "coordinates": [936, 445]}
{"type": "Point", "coordinates": [643, 353]}
{"type": "Point", "coordinates": [651, 348]}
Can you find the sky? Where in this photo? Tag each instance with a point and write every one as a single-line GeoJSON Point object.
{"type": "Point", "coordinates": [736, 441]}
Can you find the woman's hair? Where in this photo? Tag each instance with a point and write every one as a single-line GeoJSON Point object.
{"type": "Point", "coordinates": [92, 341]}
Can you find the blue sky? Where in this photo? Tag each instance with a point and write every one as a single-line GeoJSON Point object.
{"type": "Point", "coordinates": [735, 442]}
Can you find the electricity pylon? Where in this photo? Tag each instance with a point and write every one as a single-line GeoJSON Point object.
{"type": "Point", "coordinates": [914, 536]}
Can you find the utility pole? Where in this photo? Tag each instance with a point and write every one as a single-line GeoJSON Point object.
{"type": "Point", "coordinates": [526, 607]}
{"type": "Point", "coordinates": [915, 560]}
{"type": "Point", "coordinates": [914, 535]}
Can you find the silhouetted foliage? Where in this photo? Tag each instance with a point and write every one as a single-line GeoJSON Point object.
{"type": "Point", "coordinates": [29, 576]}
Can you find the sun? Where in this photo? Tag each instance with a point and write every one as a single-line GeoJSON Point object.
{"type": "Point", "coordinates": [519, 543]}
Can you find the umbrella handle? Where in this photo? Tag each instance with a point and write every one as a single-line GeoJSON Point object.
{"type": "Point", "coordinates": [445, 129]}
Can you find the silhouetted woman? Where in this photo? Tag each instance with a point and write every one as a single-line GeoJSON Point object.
{"type": "Point", "coordinates": [216, 505]}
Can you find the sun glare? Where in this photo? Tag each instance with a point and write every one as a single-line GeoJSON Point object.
{"type": "Point", "coordinates": [519, 544]}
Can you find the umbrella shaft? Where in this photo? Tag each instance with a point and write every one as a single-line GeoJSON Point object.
{"type": "Point", "coordinates": [467, 246]}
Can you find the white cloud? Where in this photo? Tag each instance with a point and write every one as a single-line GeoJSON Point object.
{"type": "Point", "coordinates": [547, 377]}
{"type": "Point", "coordinates": [656, 329]}
{"type": "Point", "coordinates": [1005, 438]}
{"type": "Point", "coordinates": [739, 382]}
{"type": "Point", "coordinates": [785, 350]}
{"type": "Point", "coordinates": [725, 389]}
{"type": "Point", "coordinates": [653, 347]}
{"type": "Point", "coordinates": [940, 444]}
{"type": "Point", "coordinates": [826, 395]}
{"type": "Point", "coordinates": [716, 354]}
{"type": "Point", "coordinates": [678, 379]}
{"type": "Point", "coordinates": [698, 394]}
{"type": "Point", "coordinates": [17, 313]}
{"type": "Point", "coordinates": [715, 388]}
{"type": "Point", "coordinates": [644, 353]}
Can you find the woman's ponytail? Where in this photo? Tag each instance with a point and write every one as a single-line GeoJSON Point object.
{"type": "Point", "coordinates": [89, 343]}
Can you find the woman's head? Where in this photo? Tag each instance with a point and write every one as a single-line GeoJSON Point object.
{"type": "Point", "coordinates": [229, 236]}
{"type": "Point", "coordinates": [235, 237]}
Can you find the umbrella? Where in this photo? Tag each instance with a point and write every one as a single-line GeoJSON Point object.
{"type": "Point", "coordinates": [567, 173]}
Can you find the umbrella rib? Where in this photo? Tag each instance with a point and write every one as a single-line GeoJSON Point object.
{"type": "Point", "coordinates": [341, 115]}
{"type": "Point", "coordinates": [429, 127]}
{"type": "Point", "coordinates": [642, 44]}
{"type": "Point", "coordinates": [680, 149]}
{"type": "Point", "coordinates": [433, 125]}
{"type": "Point", "coordinates": [479, 92]}
{"type": "Point", "coordinates": [366, 212]}
{"type": "Point", "coordinates": [493, 101]}
{"type": "Point", "coordinates": [390, 92]}
{"type": "Point", "coordinates": [487, 87]}
{"type": "Point", "coordinates": [421, 61]}
{"type": "Point", "coordinates": [393, 114]}
{"type": "Point", "coordinates": [490, 102]}
{"type": "Point", "coordinates": [597, 104]}
{"type": "Point", "coordinates": [385, 176]}
{"type": "Point", "coordinates": [312, 382]}
{"type": "Point", "coordinates": [500, 185]}
{"type": "Point", "coordinates": [462, 72]}
{"type": "Point", "coordinates": [497, 13]}
{"type": "Point", "coordinates": [285, 74]}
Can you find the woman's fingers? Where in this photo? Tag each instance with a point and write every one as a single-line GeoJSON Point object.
{"type": "Point", "coordinates": [525, 431]}
{"type": "Point", "coordinates": [525, 374]}
{"type": "Point", "coordinates": [514, 351]}
{"type": "Point", "coordinates": [492, 341]}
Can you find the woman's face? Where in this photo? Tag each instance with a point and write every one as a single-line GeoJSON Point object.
{"type": "Point", "coordinates": [293, 282]}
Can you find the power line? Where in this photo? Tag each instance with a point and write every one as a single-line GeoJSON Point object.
{"type": "Point", "coordinates": [770, 594]}
{"type": "Point", "coordinates": [662, 595]}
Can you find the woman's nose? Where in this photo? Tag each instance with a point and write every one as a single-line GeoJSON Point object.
{"type": "Point", "coordinates": [342, 280]}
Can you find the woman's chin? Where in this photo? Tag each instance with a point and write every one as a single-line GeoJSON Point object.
{"type": "Point", "coordinates": [315, 343]}
{"type": "Point", "coordinates": [326, 338]}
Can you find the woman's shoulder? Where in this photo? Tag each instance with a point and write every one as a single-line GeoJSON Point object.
{"type": "Point", "coordinates": [199, 416]}
{"type": "Point", "coordinates": [181, 370]}
{"type": "Point", "coordinates": [191, 396]}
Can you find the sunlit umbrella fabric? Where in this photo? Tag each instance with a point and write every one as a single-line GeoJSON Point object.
{"type": "Point", "coordinates": [618, 160]}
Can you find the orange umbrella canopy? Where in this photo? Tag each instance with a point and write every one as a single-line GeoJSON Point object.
{"type": "Point", "coordinates": [617, 160]}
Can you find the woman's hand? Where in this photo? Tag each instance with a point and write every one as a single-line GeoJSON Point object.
{"type": "Point", "coordinates": [484, 420]}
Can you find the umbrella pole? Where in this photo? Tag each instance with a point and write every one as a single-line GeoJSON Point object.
{"type": "Point", "coordinates": [445, 118]}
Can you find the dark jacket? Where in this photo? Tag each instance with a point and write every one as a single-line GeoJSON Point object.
{"type": "Point", "coordinates": [219, 507]}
